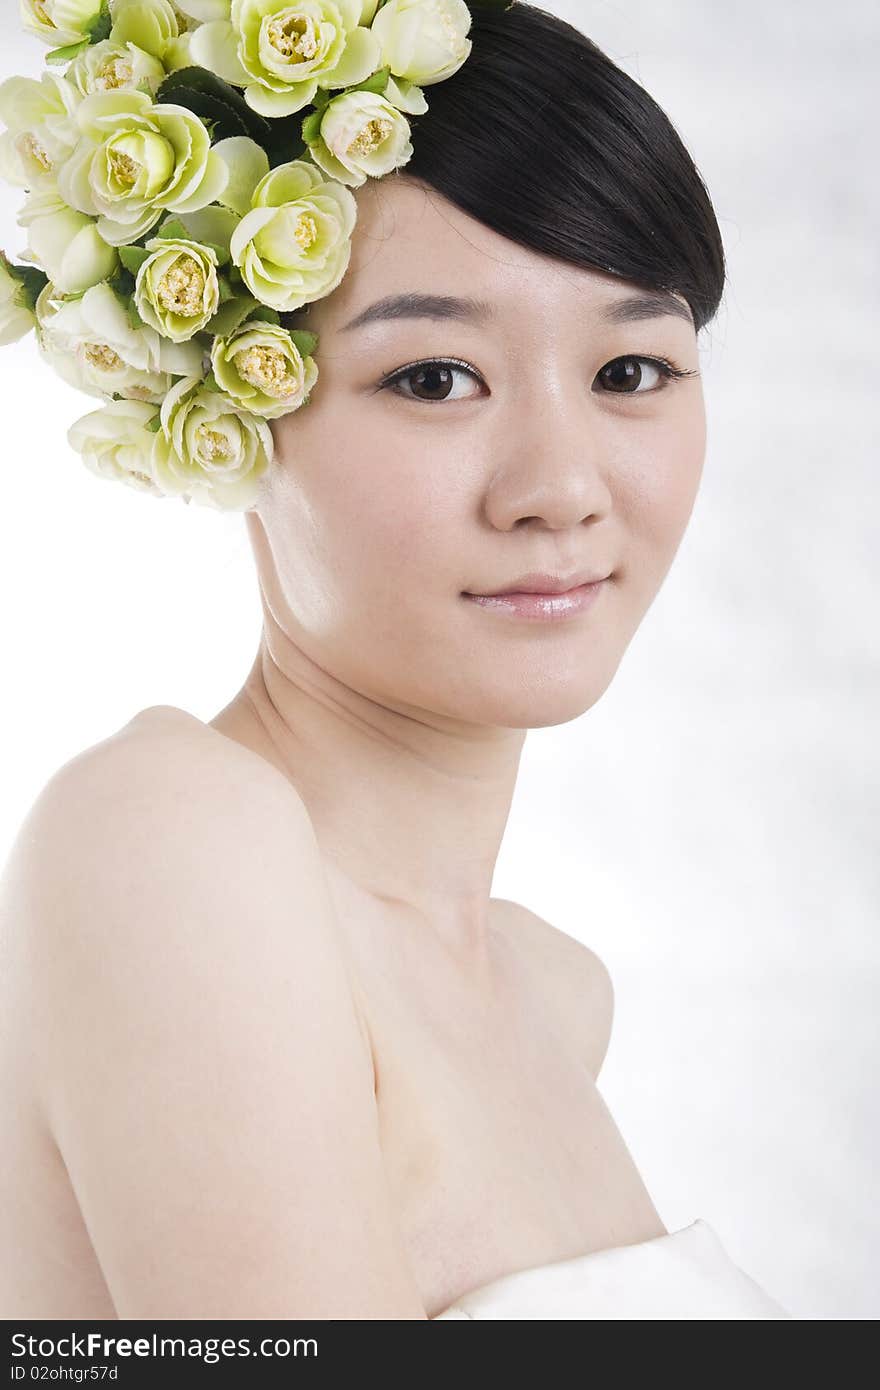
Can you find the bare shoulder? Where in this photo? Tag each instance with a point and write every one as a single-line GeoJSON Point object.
{"type": "Point", "coordinates": [164, 759]}
{"type": "Point", "coordinates": [197, 1053]}
{"type": "Point", "coordinates": [577, 979]}
{"type": "Point", "coordinates": [165, 740]}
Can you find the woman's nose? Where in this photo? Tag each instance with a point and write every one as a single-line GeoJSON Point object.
{"type": "Point", "coordinates": [550, 463]}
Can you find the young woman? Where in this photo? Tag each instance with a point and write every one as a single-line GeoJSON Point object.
{"type": "Point", "coordinates": [270, 1047]}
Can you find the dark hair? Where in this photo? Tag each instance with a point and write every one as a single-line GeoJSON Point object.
{"type": "Point", "coordinates": [544, 139]}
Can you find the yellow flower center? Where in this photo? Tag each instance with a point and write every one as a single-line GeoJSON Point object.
{"type": "Point", "coordinates": [125, 169]}
{"type": "Point", "coordinates": [140, 393]}
{"type": "Point", "coordinates": [102, 357]}
{"type": "Point", "coordinates": [214, 445]}
{"type": "Point", "coordinates": [294, 37]}
{"type": "Point", "coordinates": [373, 133]}
{"type": "Point", "coordinates": [306, 230]}
{"type": "Point", "coordinates": [115, 73]}
{"type": "Point", "coordinates": [29, 145]}
{"type": "Point", "coordinates": [182, 288]}
{"type": "Point", "coordinates": [268, 370]}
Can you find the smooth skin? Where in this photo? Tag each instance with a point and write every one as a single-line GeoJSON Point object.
{"type": "Point", "coordinates": [269, 1046]}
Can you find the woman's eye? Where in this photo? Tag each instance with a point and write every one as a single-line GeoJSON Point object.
{"type": "Point", "coordinates": [629, 375]}
{"type": "Point", "coordinates": [435, 380]}
{"type": "Point", "coordinates": [431, 381]}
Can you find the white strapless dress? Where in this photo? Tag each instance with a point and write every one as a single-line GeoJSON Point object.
{"type": "Point", "coordinates": [684, 1274]}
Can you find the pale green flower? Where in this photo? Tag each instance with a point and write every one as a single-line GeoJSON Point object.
{"type": "Point", "coordinates": [178, 54]}
{"type": "Point", "coordinates": [59, 22]}
{"type": "Point", "coordinates": [209, 449]}
{"type": "Point", "coordinates": [260, 367]}
{"type": "Point", "coordinates": [116, 444]}
{"type": "Point", "coordinates": [92, 344]}
{"type": "Point", "coordinates": [16, 316]}
{"type": "Point", "coordinates": [204, 9]}
{"type": "Point", "coordinates": [283, 51]}
{"type": "Point", "coordinates": [295, 245]}
{"type": "Point", "coordinates": [135, 159]}
{"type": "Point", "coordinates": [406, 96]}
{"type": "Point", "coordinates": [360, 135]}
{"type": "Point", "coordinates": [424, 41]}
{"type": "Point", "coordinates": [152, 25]}
{"type": "Point", "coordinates": [177, 290]}
{"type": "Point", "coordinates": [66, 243]}
{"type": "Point", "coordinates": [41, 129]}
{"type": "Point", "coordinates": [111, 66]}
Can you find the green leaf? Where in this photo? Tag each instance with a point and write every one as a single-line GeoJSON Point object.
{"type": "Point", "coordinates": [122, 283]}
{"type": "Point", "coordinates": [134, 317]}
{"type": "Point", "coordinates": [223, 256]}
{"type": "Point", "coordinates": [265, 314]}
{"type": "Point", "coordinates": [284, 142]}
{"type": "Point", "coordinates": [173, 230]}
{"type": "Point", "coordinates": [376, 83]}
{"type": "Point", "coordinates": [100, 26]}
{"type": "Point", "coordinates": [32, 281]}
{"type": "Point", "coordinates": [230, 315]}
{"type": "Point", "coordinates": [59, 57]}
{"type": "Point", "coordinates": [304, 342]}
{"type": "Point", "coordinates": [311, 127]}
{"type": "Point", "coordinates": [226, 290]}
{"type": "Point", "coordinates": [211, 383]}
{"type": "Point", "coordinates": [154, 425]}
{"type": "Point", "coordinates": [215, 101]}
{"type": "Point", "coordinates": [133, 257]}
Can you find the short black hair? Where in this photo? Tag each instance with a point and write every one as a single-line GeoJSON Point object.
{"type": "Point", "coordinates": [542, 137]}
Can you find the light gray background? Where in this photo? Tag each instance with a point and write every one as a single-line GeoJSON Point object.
{"type": "Point", "coordinates": [710, 827]}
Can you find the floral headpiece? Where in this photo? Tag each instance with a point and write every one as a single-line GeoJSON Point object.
{"type": "Point", "coordinates": [188, 173]}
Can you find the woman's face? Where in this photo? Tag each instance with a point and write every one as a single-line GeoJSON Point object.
{"type": "Point", "coordinates": [387, 503]}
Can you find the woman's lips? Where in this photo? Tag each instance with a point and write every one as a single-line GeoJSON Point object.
{"type": "Point", "coordinates": [552, 607]}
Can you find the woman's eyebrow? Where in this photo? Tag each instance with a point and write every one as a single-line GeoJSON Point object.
{"type": "Point", "coordinates": [423, 306]}
{"type": "Point", "coordinates": [631, 309]}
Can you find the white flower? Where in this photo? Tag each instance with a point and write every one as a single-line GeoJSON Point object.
{"type": "Point", "coordinates": [111, 67]}
{"type": "Point", "coordinates": [115, 443]}
{"type": "Point", "coordinates": [151, 24]}
{"type": "Point", "coordinates": [295, 245]}
{"type": "Point", "coordinates": [67, 244]}
{"type": "Point", "coordinates": [361, 134]}
{"type": "Point", "coordinates": [91, 344]}
{"type": "Point", "coordinates": [16, 317]}
{"type": "Point", "coordinates": [204, 9]}
{"type": "Point", "coordinates": [41, 129]}
{"type": "Point", "coordinates": [59, 22]}
{"type": "Point", "coordinates": [137, 158]}
{"type": "Point", "coordinates": [424, 41]}
{"type": "Point", "coordinates": [260, 366]}
{"type": "Point", "coordinates": [282, 52]}
{"type": "Point", "coordinates": [177, 290]}
{"type": "Point", "coordinates": [210, 449]}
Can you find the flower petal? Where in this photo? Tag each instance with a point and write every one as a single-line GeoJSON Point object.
{"type": "Point", "coordinates": [215, 46]}
{"type": "Point", "coordinates": [248, 163]}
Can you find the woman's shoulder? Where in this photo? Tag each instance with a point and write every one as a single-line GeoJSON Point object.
{"type": "Point", "coordinates": [164, 802]}
{"type": "Point", "coordinates": [576, 979]}
{"type": "Point", "coordinates": [169, 733]}
{"type": "Point", "coordinates": [164, 749]}
{"type": "Point", "coordinates": [193, 1045]}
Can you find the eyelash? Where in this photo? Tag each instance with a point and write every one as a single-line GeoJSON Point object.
{"type": "Point", "coordinates": [667, 369]}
